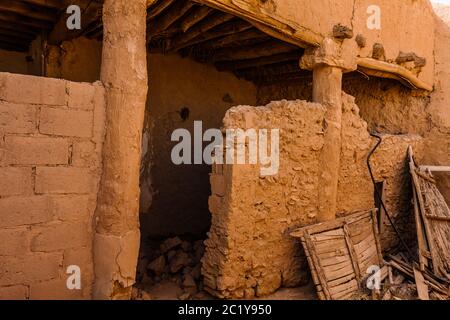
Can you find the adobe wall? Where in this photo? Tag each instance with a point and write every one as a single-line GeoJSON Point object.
{"type": "Point", "coordinates": [51, 135]}
{"type": "Point", "coordinates": [75, 60]}
{"type": "Point", "coordinates": [249, 250]}
{"type": "Point", "coordinates": [174, 199]}
{"type": "Point", "coordinates": [15, 62]}
{"type": "Point", "coordinates": [23, 62]}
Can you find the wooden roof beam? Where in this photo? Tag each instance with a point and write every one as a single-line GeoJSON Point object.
{"type": "Point", "coordinates": [268, 48]}
{"type": "Point", "coordinates": [163, 22]}
{"type": "Point", "coordinates": [91, 11]}
{"type": "Point", "coordinates": [53, 4]}
{"type": "Point", "coordinates": [220, 31]}
{"type": "Point", "coordinates": [24, 21]}
{"type": "Point", "coordinates": [157, 8]}
{"type": "Point", "coordinates": [27, 11]}
{"type": "Point", "coordinates": [207, 24]}
{"type": "Point", "coordinates": [258, 62]}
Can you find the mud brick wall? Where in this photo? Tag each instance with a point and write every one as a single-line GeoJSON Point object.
{"type": "Point", "coordinates": [51, 135]}
{"type": "Point", "coordinates": [249, 251]}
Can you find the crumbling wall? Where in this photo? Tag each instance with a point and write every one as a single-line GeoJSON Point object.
{"type": "Point", "coordinates": [51, 135]}
{"type": "Point", "coordinates": [174, 198]}
{"type": "Point", "coordinates": [249, 250]}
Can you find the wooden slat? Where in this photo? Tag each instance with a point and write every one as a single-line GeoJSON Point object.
{"type": "Point", "coordinates": [435, 168]}
{"type": "Point", "coordinates": [11, 47]}
{"type": "Point", "coordinates": [54, 4]}
{"type": "Point", "coordinates": [422, 288]}
{"type": "Point", "coordinates": [27, 11]}
{"type": "Point", "coordinates": [351, 250]}
{"type": "Point", "coordinates": [316, 263]}
{"type": "Point", "coordinates": [258, 62]}
{"type": "Point", "coordinates": [264, 49]}
{"type": "Point", "coordinates": [164, 21]}
{"type": "Point", "coordinates": [24, 21]}
{"type": "Point", "coordinates": [23, 29]}
{"type": "Point", "coordinates": [222, 30]}
{"type": "Point", "coordinates": [236, 39]}
{"type": "Point", "coordinates": [157, 8]}
{"type": "Point", "coordinates": [422, 209]}
{"type": "Point", "coordinates": [91, 11]}
{"type": "Point", "coordinates": [14, 40]}
{"type": "Point", "coordinates": [205, 25]}
{"type": "Point", "coordinates": [17, 34]}
{"type": "Point", "coordinates": [198, 15]}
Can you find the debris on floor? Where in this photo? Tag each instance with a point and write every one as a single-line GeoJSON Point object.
{"type": "Point", "coordinates": [170, 268]}
{"type": "Point", "coordinates": [341, 253]}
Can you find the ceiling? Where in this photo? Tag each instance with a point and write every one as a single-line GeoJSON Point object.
{"type": "Point", "coordinates": [173, 26]}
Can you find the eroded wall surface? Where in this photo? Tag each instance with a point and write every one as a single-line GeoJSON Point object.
{"type": "Point", "coordinates": [51, 135]}
{"type": "Point", "coordinates": [174, 198]}
{"type": "Point", "coordinates": [249, 250]}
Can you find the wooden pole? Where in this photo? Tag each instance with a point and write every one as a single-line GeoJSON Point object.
{"type": "Point", "coordinates": [124, 75]}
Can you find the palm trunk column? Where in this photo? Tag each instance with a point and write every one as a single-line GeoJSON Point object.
{"type": "Point", "coordinates": [124, 75]}
{"type": "Point", "coordinates": [328, 64]}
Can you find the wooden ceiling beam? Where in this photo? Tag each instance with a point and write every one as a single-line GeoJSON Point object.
{"type": "Point", "coordinates": [164, 21]}
{"type": "Point", "coordinates": [214, 20]}
{"type": "Point", "coordinates": [229, 40]}
{"type": "Point", "coordinates": [267, 71]}
{"type": "Point", "coordinates": [157, 8]}
{"type": "Point", "coordinates": [268, 48]}
{"type": "Point", "coordinates": [17, 34]}
{"type": "Point", "coordinates": [24, 21]}
{"type": "Point", "coordinates": [198, 15]}
{"type": "Point", "coordinates": [25, 30]}
{"type": "Point", "coordinates": [27, 10]}
{"type": "Point", "coordinates": [12, 47]}
{"type": "Point", "coordinates": [53, 4]}
{"type": "Point", "coordinates": [13, 40]}
{"type": "Point", "coordinates": [258, 62]}
{"type": "Point", "coordinates": [220, 31]}
{"type": "Point", "coordinates": [91, 11]}
{"type": "Point", "coordinates": [298, 76]}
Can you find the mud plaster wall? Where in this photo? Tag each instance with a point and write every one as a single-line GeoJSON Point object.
{"type": "Point", "coordinates": [75, 60]}
{"type": "Point", "coordinates": [249, 250]}
{"type": "Point", "coordinates": [51, 135]}
{"type": "Point", "coordinates": [174, 199]}
{"type": "Point", "coordinates": [23, 62]}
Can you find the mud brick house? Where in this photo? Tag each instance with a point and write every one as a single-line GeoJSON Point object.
{"type": "Point", "coordinates": [86, 118]}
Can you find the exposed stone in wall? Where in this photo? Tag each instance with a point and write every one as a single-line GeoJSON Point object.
{"type": "Point", "coordinates": [249, 250]}
{"type": "Point", "coordinates": [51, 135]}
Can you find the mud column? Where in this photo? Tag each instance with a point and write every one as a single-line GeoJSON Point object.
{"type": "Point", "coordinates": [328, 65]}
{"type": "Point", "coordinates": [124, 74]}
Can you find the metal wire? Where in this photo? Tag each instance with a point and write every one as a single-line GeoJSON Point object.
{"type": "Point", "coordinates": [378, 195]}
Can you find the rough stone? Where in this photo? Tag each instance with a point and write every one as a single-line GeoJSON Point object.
{"type": "Point", "coordinates": [158, 265]}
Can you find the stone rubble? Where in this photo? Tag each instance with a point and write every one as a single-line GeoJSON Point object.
{"type": "Point", "coordinates": [174, 260]}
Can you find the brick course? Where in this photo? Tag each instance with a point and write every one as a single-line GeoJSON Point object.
{"type": "Point", "coordinates": [51, 137]}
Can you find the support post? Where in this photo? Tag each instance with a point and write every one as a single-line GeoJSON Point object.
{"type": "Point", "coordinates": [124, 75]}
{"type": "Point", "coordinates": [328, 63]}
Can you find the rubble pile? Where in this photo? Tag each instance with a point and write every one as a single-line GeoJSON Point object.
{"type": "Point", "coordinates": [174, 260]}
